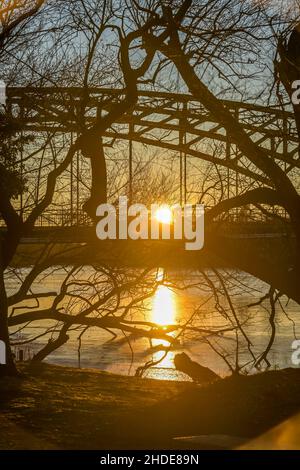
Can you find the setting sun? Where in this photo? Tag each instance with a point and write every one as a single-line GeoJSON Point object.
{"type": "Point", "coordinates": [164, 215]}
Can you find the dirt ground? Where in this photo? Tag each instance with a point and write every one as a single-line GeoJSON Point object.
{"type": "Point", "coordinates": [52, 407]}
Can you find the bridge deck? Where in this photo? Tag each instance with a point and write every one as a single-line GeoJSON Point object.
{"type": "Point", "coordinates": [80, 246]}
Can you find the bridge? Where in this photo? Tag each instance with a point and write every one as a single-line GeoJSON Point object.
{"type": "Point", "coordinates": [173, 122]}
{"type": "Point", "coordinates": [267, 256]}
{"type": "Point", "coordinates": [176, 123]}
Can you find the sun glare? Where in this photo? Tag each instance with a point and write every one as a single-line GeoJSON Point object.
{"type": "Point", "coordinates": [164, 303]}
{"type": "Point", "coordinates": [164, 215]}
{"type": "Point", "coordinates": [164, 307]}
{"type": "Point", "coordinates": [164, 312]}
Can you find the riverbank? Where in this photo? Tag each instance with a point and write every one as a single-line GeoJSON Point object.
{"type": "Point", "coordinates": [52, 407]}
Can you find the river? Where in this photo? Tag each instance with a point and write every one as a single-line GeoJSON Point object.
{"type": "Point", "coordinates": [125, 353]}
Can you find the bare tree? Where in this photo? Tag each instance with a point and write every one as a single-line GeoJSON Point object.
{"type": "Point", "coordinates": [13, 16]}
{"type": "Point", "coordinates": [181, 50]}
{"type": "Point", "coordinates": [146, 42]}
{"type": "Point", "coordinates": [89, 138]}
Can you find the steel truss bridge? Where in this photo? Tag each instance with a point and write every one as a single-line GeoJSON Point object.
{"type": "Point", "coordinates": [180, 125]}
{"type": "Point", "coordinates": [174, 122]}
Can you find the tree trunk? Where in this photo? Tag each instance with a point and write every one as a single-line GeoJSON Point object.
{"type": "Point", "coordinates": [9, 368]}
{"type": "Point", "coordinates": [93, 150]}
{"type": "Point", "coordinates": [52, 345]}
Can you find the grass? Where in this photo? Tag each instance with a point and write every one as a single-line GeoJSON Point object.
{"type": "Point", "coordinates": [52, 407]}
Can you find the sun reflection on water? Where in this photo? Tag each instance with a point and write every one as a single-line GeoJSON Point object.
{"type": "Point", "coordinates": [164, 306]}
{"type": "Point", "coordinates": [164, 312]}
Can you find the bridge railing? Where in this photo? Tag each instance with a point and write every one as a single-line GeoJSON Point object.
{"type": "Point", "coordinates": [235, 220]}
{"type": "Point", "coordinates": [64, 218]}
{"type": "Point", "coordinates": [59, 218]}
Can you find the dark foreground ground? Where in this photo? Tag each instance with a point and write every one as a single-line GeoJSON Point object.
{"type": "Point", "coordinates": [53, 407]}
